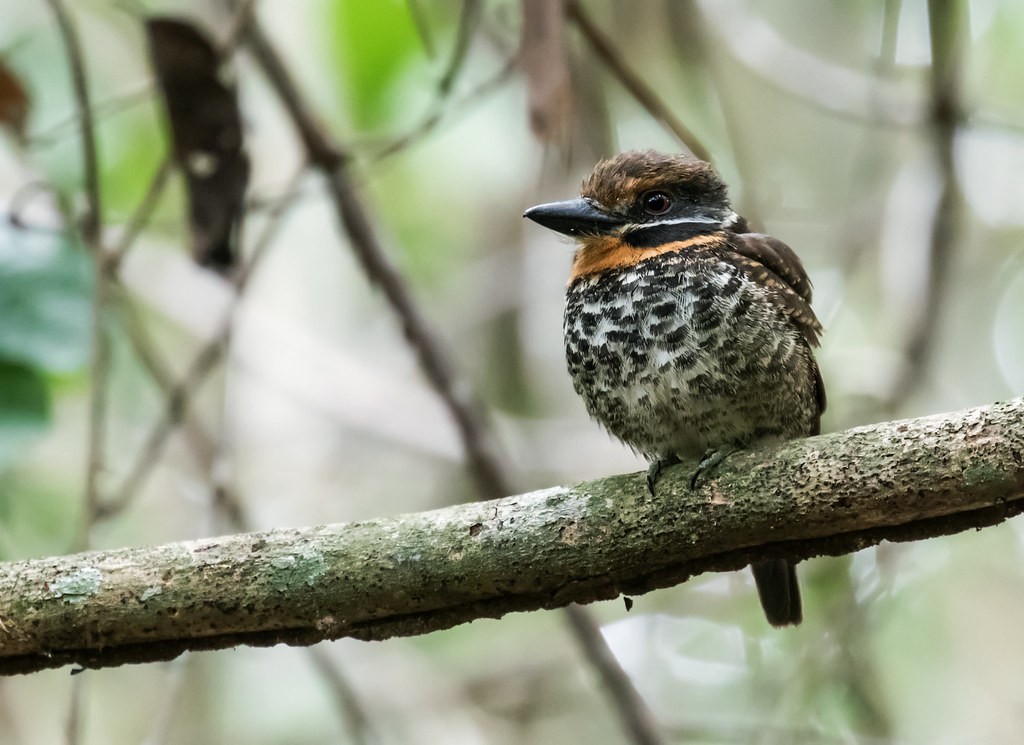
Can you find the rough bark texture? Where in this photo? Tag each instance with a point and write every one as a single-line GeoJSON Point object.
{"type": "Point", "coordinates": [418, 573]}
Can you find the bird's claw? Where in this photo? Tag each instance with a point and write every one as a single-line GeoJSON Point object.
{"type": "Point", "coordinates": [655, 469]}
{"type": "Point", "coordinates": [711, 460]}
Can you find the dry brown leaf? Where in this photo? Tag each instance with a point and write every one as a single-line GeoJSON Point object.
{"type": "Point", "coordinates": [14, 103]}
{"type": "Point", "coordinates": [206, 129]}
{"type": "Point", "coordinates": [548, 81]}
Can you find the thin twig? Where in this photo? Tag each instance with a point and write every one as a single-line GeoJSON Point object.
{"type": "Point", "coordinates": [230, 504]}
{"type": "Point", "coordinates": [698, 47]}
{"type": "Point", "coordinates": [856, 673]}
{"type": "Point", "coordinates": [632, 82]}
{"type": "Point", "coordinates": [806, 78]}
{"type": "Point", "coordinates": [468, 20]}
{"type": "Point", "coordinates": [177, 397]}
{"type": "Point", "coordinates": [419, 20]}
{"type": "Point", "coordinates": [861, 223]}
{"type": "Point", "coordinates": [180, 395]}
{"type": "Point", "coordinates": [947, 29]}
{"type": "Point", "coordinates": [242, 15]}
{"type": "Point", "coordinates": [55, 132]}
{"type": "Point", "coordinates": [328, 157]}
{"type": "Point", "coordinates": [163, 719]}
{"type": "Point", "coordinates": [90, 227]}
{"type": "Point", "coordinates": [73, 727]}
{"type": "Point", "coordinates": [274, 219]}
{"type": "Point", "coordinates": [437, 112]}
{"type": "Point", "coordinates": [139, 217]}
{"type": "Point", "coordinates": [93, 218]}
{"type": "Point", "coordinates": [761, 731]}
{"type": "Point", "coordinates": [355, 716]}
{"type": "Point", "coordinates": [172, 413]}
{"type": "Point", "coordinates": [160, 372]}
{"type": "Point", "coordinates": [478, 441]}
{"type": "Point", "coordinates": [638, 719]}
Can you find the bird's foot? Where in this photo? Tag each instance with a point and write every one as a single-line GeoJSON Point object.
{"type": "Point", "coordinates": [711, 460]}
{"type": "Point", "coordinates": [656, 468]}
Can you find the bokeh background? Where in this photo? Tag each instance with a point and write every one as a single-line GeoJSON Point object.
{"type": "Point", "coordinates": [897, 181]}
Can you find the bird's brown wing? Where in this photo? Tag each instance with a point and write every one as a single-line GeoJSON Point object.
{"type": "Point", "coordinates": [771, 262]}
{"type": "Point", "coordinates": [778, 257]}
{"type": "Point", "coordinates": [774, 264]}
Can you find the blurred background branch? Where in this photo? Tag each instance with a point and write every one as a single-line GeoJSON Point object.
{"type": "Point", "coordinates": [90, 225]}
{"type": "Point", "coordinates": [947, 27]}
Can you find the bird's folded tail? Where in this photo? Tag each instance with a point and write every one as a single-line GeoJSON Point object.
{"type": "Point", "coordinates": [778, 590]}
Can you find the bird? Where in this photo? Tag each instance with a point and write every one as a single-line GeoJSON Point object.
{"type": "Point", "coordinates": [687, 335]}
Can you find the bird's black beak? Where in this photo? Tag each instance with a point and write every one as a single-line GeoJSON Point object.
{"type": "Point", "coordinates": [574, 217]}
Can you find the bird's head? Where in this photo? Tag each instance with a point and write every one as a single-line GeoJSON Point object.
{"type": "Point", "coordinates": [644, 199]}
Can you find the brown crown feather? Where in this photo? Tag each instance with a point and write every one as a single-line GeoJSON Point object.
{"type": "Point", "coordinates": [616, 183]}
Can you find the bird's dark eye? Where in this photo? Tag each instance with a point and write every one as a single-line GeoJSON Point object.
{"type": "Point", "coordinates": [656, 202]}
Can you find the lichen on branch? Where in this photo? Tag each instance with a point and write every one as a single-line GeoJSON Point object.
{"type": "Point", "coordinates": [413, 574]}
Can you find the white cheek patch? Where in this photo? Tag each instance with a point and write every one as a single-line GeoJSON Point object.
{"type": "Point", "coordinates": [694, 219]}
{"type": "Point", "coordinates": [718, 222]}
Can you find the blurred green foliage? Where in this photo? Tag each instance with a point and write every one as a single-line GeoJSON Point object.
{"type": "Point", "coordinates": [373, 44]}
{"type": "Point", "coordinates": [24, 409]}
{"type": "Point", "coordinates": [45, 304]}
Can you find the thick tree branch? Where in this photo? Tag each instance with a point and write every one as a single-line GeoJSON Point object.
{"type": "Point", "coordinates": [414, 574]}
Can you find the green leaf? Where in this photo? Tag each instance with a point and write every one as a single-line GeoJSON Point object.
{"type": "Point", "coordinates": [24, 409]}
{"type": "Point", "coordinates": [373, 43]}
{"type": "Point", "coordinates": [45, 300]}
